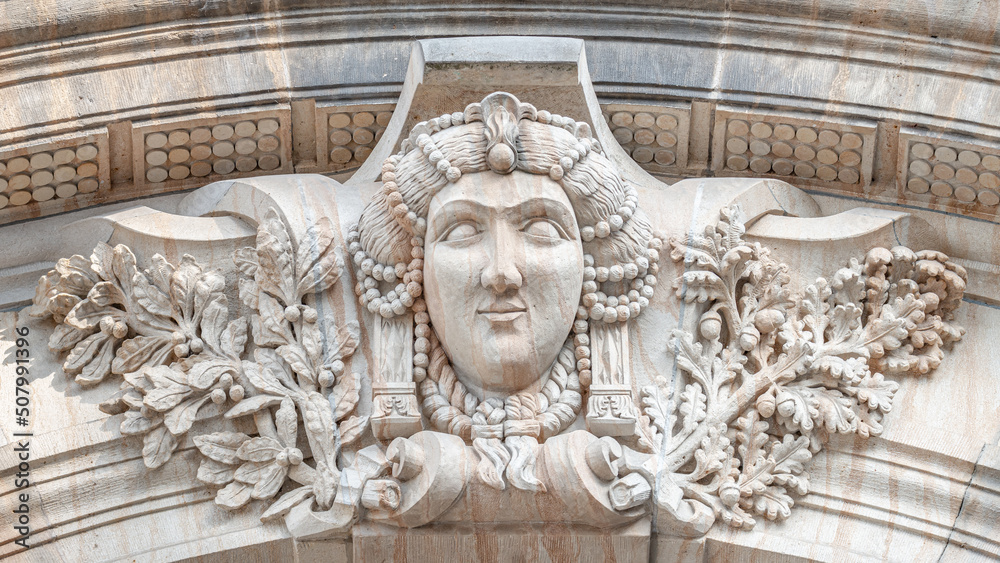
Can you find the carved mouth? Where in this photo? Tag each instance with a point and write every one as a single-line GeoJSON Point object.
{"type": "Point", "coordinates": [502, 312]}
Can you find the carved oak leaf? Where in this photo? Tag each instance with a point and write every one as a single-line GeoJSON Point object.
{"type": "Point", "coordinates": [790, 372]}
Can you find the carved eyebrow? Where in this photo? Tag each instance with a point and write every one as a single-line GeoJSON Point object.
{"type": "Point", "coordinates": [540, 206]}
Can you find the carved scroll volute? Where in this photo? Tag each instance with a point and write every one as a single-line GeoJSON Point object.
{"type": "Point", "coordinates": [395, 412]}
{"type": "Point", "coordinates": [610, 410]}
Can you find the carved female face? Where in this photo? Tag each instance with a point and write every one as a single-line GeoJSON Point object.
{"type": "Point", "coordinates": [503, 270]}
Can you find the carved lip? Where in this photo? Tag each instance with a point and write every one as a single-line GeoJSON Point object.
{"type": "Point", "coordinates": [503, 311]}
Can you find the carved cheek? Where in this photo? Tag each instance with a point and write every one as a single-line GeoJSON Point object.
{"type": "Point", "coordinates": [555, 275]}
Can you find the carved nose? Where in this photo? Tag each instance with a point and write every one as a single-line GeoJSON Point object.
{"type": "Point", "coordinates": [501, 274]}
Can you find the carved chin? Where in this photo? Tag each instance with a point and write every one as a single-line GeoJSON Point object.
{"type": "Point", "coordinates": [500, 363]}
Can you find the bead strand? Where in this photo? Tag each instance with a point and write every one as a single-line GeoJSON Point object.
{"type": "Point", "coordinates": [639, 275]}
{"type": "Point", "coordinates": [615, 222]}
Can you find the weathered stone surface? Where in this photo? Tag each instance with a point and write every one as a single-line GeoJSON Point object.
{"type": "Point", "coordinates": [502, 338]}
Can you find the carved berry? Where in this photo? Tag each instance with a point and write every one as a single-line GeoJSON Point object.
{"type": "Point", "coordinates": [181, 350]}
{"type": "Point", "coordinates": [218, 396]}
{"type": "Point", "coordinates": [120, 330]}
{"type": "Point", "coordinates": [226, 380]}
{"type": "Point", "coordinates": [326, 378]}
{"type": "Point", "coordinates": [310, 315]}
{"type": "Point", "coordinates": [197, 345]}
{"type": "Point", "coordinates": [236, 393]}
{"type": "Point", "coordinates": [295, 456]}
{"type": "Point", "coordinates": [282, 458]}
{"type": "Point", "coordinates": [292, 314]}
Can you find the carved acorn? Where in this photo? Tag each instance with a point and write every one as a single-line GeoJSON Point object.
{"type": "Point", "coordinates": [766, 404]}
{"type": "Point", "coordinates": [786, 403]}
{"type": "Point", "coordinates": [768, 320]}
{"type": "Point", "coordinates": [729, 493]}
{"type": "Point", "coordinates": [710, 325]}
{"type": "Point", "coordinates": [749, 338]}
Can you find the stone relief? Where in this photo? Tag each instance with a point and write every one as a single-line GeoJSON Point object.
{"type": "Point", "coordinates": [503, 265]}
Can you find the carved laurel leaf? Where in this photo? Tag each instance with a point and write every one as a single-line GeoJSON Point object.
{"type": "Point", "coordinates": [170, 388]}
{"type": "Point", "coordinates": [296, 357]}
{"type": "Point", "coordinates": [345, 395]}
{"type": "Point", "coordinates": [133, 423]}
{"type": "Point", "coordinates": [212, 472]}
{"type": "Point", "coordinates": [253, 404]}
{"type": "Point", "coordinates": [181, 417]}
{"type": "Point", "coordinates": [275, 274]}
{"type": "Point", "coordinates": [287, 422]}
{"type": "Point", "coordinates": [318, 265]}
{"type": "Point", "coordinates": [259, 449]}
{"type": "Point", "coordinates": [251, 471]}
{"type": "Point", "coordinates": [234, 338]}
{"type": "Point", "coordinates": [263, 379]}
{"type": "Point", "coordinates": [90, 360]}
{"type": "Point", "coordinates": [343, 344]}
{"type": "Point", "coordinates": [351, 429]}
{"type": "Point", "coordinates": [154, 301]}
{"type": "Point", "coordinates": [246, 261]}
{"type": "Point", "coordinates": [270, 328]}
{"type": "Point", "coordinates": [213, 323]}
{"type": "Point", "coordinates": [157, 447]}
{"type": "Point", "coordinates": [272, 477]}
{"type": "Point", "coordinates": [287, 502]}
{"type": "Point", "coordinates": [221, 446]}
{"type": "Point", "coordinates": [234, 495]}
{"type": "Point", "coordinates": [142, 351]}
{"type": "Point", "coordinates": [65, 337]}
{"type": "Point", "coordinates": [205, 373]}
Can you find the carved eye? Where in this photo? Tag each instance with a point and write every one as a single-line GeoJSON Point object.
{"type": "Point", "coordinates": [461, 231]}
{"type": "Point", "coordinates": [543, 228]}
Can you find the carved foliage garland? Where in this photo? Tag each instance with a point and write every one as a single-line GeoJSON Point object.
{"type": "Point", "coordinates": [167, 331]}
{"type": "Point", "coordinates": [767, 376]}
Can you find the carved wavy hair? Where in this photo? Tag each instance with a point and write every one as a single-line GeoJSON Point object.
{"type": "Point", "coordinates": [593, 185]}
{"type": "Point", "coordinates": [500, 134]}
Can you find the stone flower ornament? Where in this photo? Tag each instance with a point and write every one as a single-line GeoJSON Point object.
{"type": "Point", "coordinates": [500, 267]}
